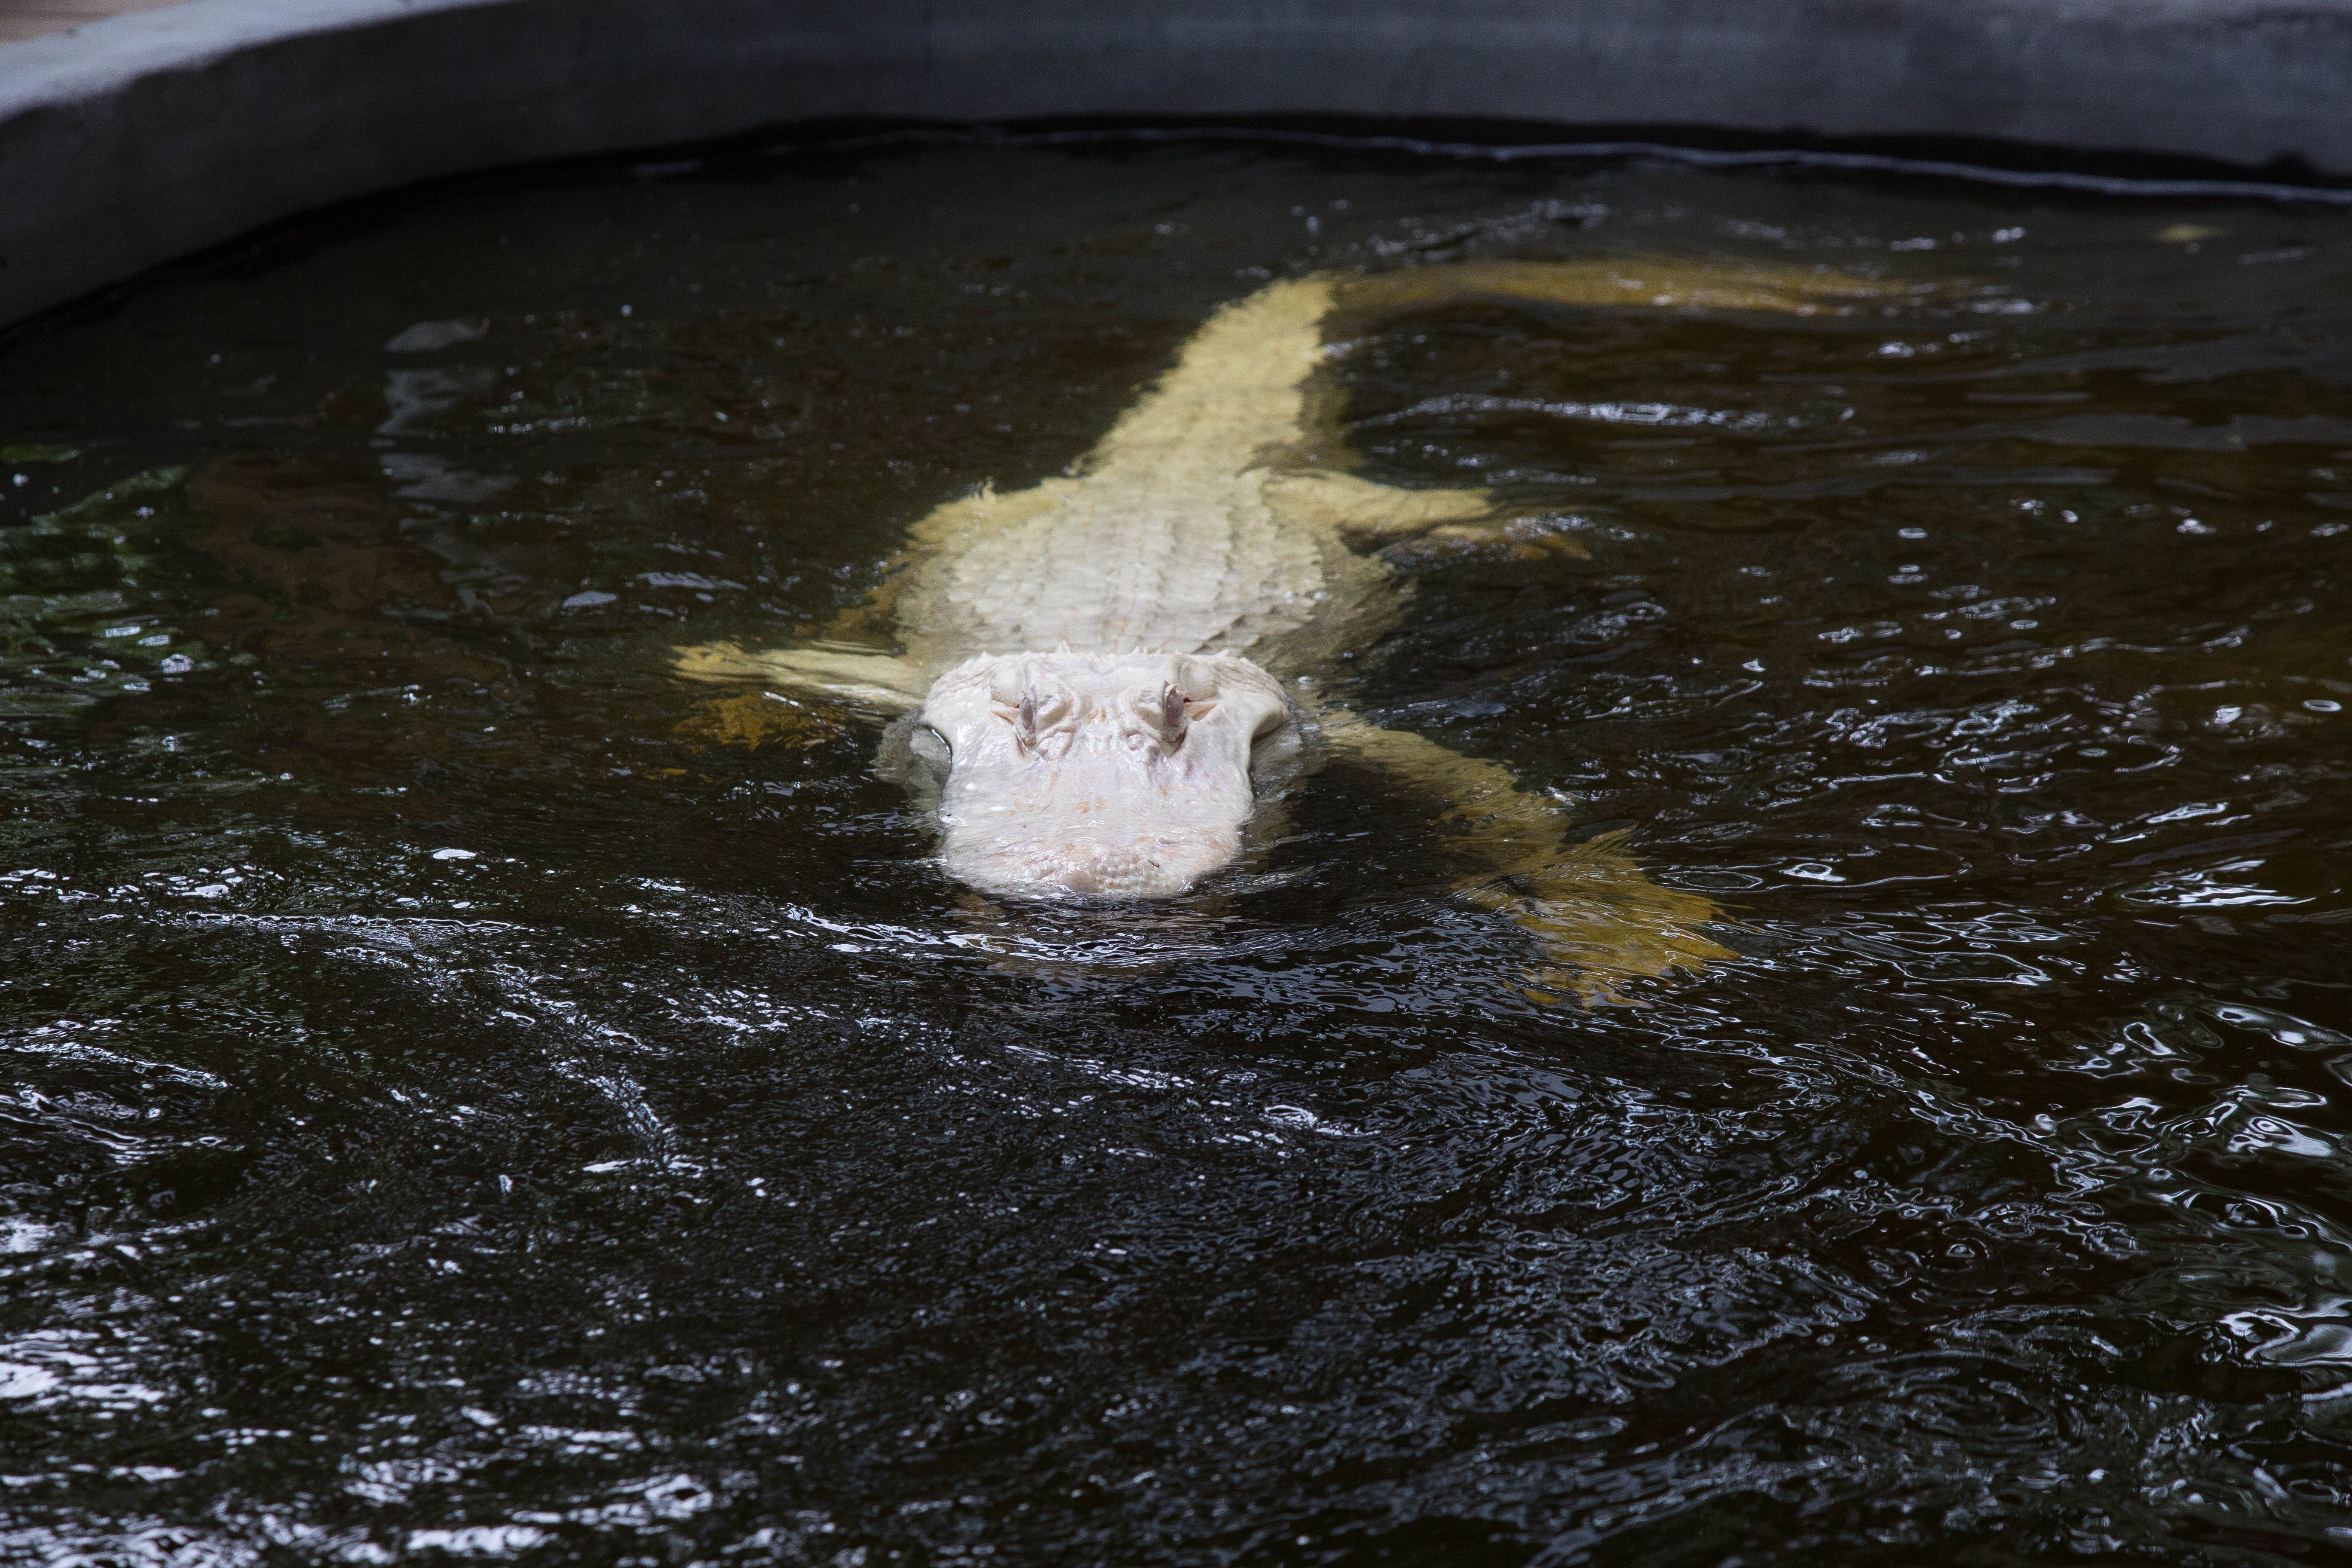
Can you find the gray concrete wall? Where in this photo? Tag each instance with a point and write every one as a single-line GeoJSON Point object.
{"type": "Point", "coordinates": [138, 139]}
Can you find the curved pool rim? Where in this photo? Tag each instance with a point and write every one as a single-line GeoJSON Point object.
{"type": "Point", "coordinates": [138, 140]}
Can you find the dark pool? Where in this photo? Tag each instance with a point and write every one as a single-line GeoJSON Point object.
{"type": "Point", "coordinates": [460, 1100]}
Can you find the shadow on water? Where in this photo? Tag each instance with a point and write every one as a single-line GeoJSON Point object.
{"type": "Point", "coordinates": [469, 1098]}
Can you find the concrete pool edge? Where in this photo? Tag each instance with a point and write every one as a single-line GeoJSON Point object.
{"type": "Point", "coordinates": [143, 138]}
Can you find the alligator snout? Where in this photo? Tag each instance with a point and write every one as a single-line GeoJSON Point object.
{"type": "Point", "coordinates": [1102, 775]}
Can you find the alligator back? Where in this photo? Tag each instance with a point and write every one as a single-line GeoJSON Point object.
{"type": "Point", "coordinates": [1169, 537]}
{"type": "Point", "coordinates": [1213, 517]}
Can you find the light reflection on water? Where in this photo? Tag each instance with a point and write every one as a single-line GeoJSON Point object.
{"type": "Point", "coordinates": [460, 1106]}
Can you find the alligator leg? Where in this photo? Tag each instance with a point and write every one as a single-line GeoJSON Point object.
{"type": "Point", "coordinates": [876, 683]}
{"type": "Point", "coordinates": [1599, 920]}
{"type": "Point", "coordinates": [1369, 515]}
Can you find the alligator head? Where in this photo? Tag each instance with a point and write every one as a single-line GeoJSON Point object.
{"type": "Point", "coordinates": [1124, 775]}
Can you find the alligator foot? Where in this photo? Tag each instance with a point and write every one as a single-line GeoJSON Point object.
{"type": "Point", "coordinates": [1599, 922]}
{"type": "Point", "coordinates": [1524, 538]}
{"type": "Point", "coordinates": [749, 721]}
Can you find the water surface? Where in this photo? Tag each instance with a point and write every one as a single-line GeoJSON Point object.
{"type": "Point", "coordinates": [463, 1102]}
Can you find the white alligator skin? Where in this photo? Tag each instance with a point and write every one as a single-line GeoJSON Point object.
{"type": "Point", "coordinates": [1218, 517]}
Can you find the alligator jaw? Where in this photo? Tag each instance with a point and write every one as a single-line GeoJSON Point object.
{"type": "Point", "coordinates": [1111, 776]}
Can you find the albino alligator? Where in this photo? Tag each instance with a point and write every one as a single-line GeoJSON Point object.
{"type": "Point", "coordinates": [1112, 666]}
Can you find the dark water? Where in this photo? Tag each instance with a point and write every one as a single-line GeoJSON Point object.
{"type": "Point", "coordinates": [458, 1105]}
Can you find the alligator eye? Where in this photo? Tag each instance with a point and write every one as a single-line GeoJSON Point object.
{"type": "Point", "coordinates": [1036, 709]}
{"type": "Point", "coordinates": [1164, 711]}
